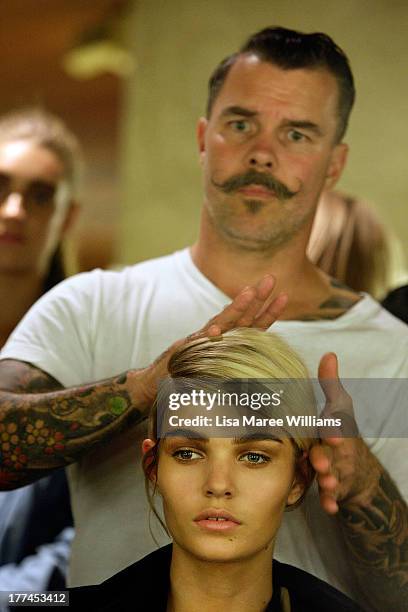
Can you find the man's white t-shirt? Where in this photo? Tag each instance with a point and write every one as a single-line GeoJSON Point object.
{"type": "Point", "coordinates": [99, 324]}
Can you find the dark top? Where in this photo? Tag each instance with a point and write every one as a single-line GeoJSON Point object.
{"type": "Point", "coordinates": [40, 512]}
{"type": "Point", "coordinates": [396, 303]}
{"type": "Point", "coordinates": [30, 517]}
{"type": "Point", "coordinates": [145, 586]}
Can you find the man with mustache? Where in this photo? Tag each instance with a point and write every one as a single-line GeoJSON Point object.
{"type": "Point", "coordinates": [270, 144]}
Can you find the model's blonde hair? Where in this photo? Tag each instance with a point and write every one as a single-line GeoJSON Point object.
{"type": "Point", "coordinates": [241, 354]}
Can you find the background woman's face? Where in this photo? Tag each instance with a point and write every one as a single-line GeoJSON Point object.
{"type": "Point", "coordinates": [34, 204]}
{"type": "Point", "coordinates": [223, 499]}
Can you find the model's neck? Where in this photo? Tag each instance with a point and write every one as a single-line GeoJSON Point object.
{"type": "Point", "coordinates": [231, 267]}
{"type": "Point", "coordinates": [17, 293]}
{"type": "Point", "coordinates": [239, 586]}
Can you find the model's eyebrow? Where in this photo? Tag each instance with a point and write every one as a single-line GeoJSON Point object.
{"type": "Point", "coordinates": [185, 433]}
{"type": "Point", "coordinates": [305, 125]}
{"type": "Point", "coordinates": [238, 110]}
{"type": "Point", "coordinates": [258, 437]}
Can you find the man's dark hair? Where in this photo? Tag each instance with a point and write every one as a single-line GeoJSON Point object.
{"type": "Point", "coordinates": [289, 49]}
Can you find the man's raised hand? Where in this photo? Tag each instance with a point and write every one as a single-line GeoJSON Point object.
{"type": "Point", "coordinates": [345, 468]}
{"type": "Point", "coordinates": [252, 307]}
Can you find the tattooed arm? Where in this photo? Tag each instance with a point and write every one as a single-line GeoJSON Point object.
{"type": "Point", "coordinates": [43, 426]}
{"type": "Point", "coordinates": [371, 511]}
{"type": "Point", "coordinates": [375, 528]}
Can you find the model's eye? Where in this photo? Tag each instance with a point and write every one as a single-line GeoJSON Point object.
{"type": "Point", "coordinates": [240, 125]}
{"type": "Point", "coordinates": [254, 458]}
{"type": "Point", "coordinates": [186, 454]}
{"type": "Point", "coordinates": [295, 136]}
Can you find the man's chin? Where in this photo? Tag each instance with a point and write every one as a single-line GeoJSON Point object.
{"type": "Point", "coordinates": [249, 241]}
{"type": "Point", "coordinates": [254, 206]}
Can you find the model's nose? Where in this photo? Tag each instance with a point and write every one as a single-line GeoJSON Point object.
{"type": "Point", "coordinates": [219, 481]}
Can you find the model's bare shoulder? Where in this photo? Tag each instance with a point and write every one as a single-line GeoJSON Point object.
{"type": "Point", "coordinates": [22, 377]}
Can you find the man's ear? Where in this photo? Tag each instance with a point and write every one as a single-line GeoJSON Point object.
{"type": "Point", "coordinates": [71, 216]}
{"type": "Point", "coordinates": [147, 446]}
{"type": "Point", "coordinates": [201, 131]}
{"type": "Point", "coordinates": [336, 165]}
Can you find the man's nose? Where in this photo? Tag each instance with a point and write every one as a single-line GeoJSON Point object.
{"type": "Point", "coordinates": [263, 154]}
{"type": "Point", "coordinates": [13, 206]}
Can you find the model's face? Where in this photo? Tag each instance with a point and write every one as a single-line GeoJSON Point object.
{"type": "Point", "coordinates": [34, 206]}
{"type": "Point", "coordinates": [223, 500]}
{"type": "Point", "coordinates": [268, 150]}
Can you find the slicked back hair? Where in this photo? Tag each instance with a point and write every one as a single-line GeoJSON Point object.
{"type": "Point", "coordinates": [290, 50]}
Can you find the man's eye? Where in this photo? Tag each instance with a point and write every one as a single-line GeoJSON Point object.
{"type": "Point", "coordinates": [295, 136]}
{"type": "Point", "coordinates": [240, 125]}
{"type": "Point", "coordinates": [254, 458]}
{"type": "Point", "coordinates": [186, 454]}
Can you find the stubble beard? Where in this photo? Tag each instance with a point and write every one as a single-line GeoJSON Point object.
{"type": "Point", "coordinates": [266, 237]}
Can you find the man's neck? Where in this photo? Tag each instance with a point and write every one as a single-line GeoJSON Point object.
{"type": "Point", "coordinates": [239, 586]}
{"type": "Point", "coordinates": [312, 294]}
{"type": "Point", "coordinates": [17, 293]}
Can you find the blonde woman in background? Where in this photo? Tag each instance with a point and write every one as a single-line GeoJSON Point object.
{"type": "Point", "coordinates": [224, 497]}
{"type": "Point", "coordinates": [40, 167]}
{"type": "Point", "coordinates": [350, 243]}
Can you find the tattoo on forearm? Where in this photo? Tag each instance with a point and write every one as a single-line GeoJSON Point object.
{"type": "Point", "coordinates": [377, 538]}
{"type": "Point", "coordinates": [39, 432]}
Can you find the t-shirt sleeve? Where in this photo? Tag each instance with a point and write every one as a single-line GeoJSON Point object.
{"type": "Point", "coordinates": [57, 333]}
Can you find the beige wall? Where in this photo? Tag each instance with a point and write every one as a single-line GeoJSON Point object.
{"type": "Point", "coordinates": [177, 43]}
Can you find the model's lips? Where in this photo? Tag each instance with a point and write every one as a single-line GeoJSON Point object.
{"type": "Point", "coordinates": [215, 519]}
{"type": "Point", "coordinates": [257, 191]}
{"type": "Point", "coordinates": [11, 238]}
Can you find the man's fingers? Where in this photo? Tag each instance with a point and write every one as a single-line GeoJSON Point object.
{"type": "Point", "coordinates": [338, 401]}
{"type": "Point", "coordinates": [260, 303]}
{"type": "Point", "coordinates": [328, 374]}
{"type": "Point", "coordinates": [329, 380]}
{"type": "Point", "coordinates": [328, 367]}
{"type": "Point", "coordinates": [328, 483]}
{"type": "Point", "coordinates": [328, 503]}
{"type": "Point", "coordinates": [320, 458]}
{"type": "Point", "coordinates": [334, 441]}
{"type": "Point", "coordinates": [227, 318]}
{"type": "Point", "coordinates": [249, 305]}
{"type": "Point", "coordinates": [213, 331]}
{"type": "Point", "coordinates": [265, 286]}
{"type": "Point", "coordinates": [252, 307]}
{"type": "Point", "coordinates": [272, 312]}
